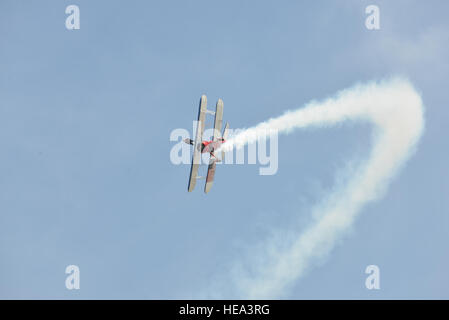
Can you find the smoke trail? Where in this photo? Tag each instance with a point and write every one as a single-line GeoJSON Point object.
{"type": "Point", "coordinates": [396, 110]}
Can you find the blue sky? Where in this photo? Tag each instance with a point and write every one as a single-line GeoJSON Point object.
{"type": "Point", "coordinates": [85, 119]}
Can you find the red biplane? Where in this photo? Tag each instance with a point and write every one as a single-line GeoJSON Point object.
{"type": "Point", "coordinates": [200, 146]}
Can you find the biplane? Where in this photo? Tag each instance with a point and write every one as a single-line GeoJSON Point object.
{"type": "Point", "coordinates": [200, 146]}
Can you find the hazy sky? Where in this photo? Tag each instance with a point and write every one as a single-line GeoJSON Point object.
{"type": "Point", "coordinates": [85, 120]}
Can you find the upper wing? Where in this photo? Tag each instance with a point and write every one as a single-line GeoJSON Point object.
{"type": "Point", "coordinates": [218, 119]}
{"type": "Point", "coordinates": [225, 137]}
{"type": "Point", "coordinates": [217, 135]}
{"type": "Point", "coordinates": [197, 143]}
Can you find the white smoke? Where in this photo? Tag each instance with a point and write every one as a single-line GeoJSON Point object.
{"type": "Point", "coordinates": [396, 110]}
